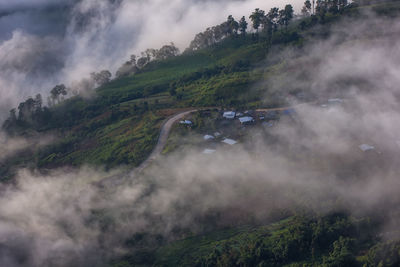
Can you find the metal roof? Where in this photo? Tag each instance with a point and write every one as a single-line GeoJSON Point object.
{"type": "Point", "coordinates": [229, 141]}
{"type": "Point", "coordinates": [208, 137]}
{"type": "Point", "coordinates": [246, 119]}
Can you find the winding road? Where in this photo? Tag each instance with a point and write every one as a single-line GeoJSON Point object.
{"type": "Point", "coordinates": [161, 142]}
{"type": "Point", "coordinates": [166, 129]}
{"type": "Point", "coordinates": [162, 139]}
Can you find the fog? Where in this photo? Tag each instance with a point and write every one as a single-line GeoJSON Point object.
{"type": "Point", "coordinates": [309, 162]}
{"type": "Point", "coordinates": [44, 43]}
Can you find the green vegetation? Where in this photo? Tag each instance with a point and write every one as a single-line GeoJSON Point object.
{"type": "Point", "coordinates": [107, 128]}
{"type": "Point", "coordinates": [120, 125]}
{"type": "Point", "coordinates": [326, 240]}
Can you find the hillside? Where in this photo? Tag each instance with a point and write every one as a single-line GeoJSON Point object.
{"type": "Point", "coordinates": [107, 129]}
{"type": "Point", "coordinates": [297, 189]}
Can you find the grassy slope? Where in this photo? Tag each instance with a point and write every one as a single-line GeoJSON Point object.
{"type": "Point", "coordinates": [354, 243]}
{"type": "Point", "coordinates": [108, 129]}
{"type": "Point", "coordinates": [115, 128]}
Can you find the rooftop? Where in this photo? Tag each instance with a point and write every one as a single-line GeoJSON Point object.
{"type": "Point", "coordinates": [229, 141]}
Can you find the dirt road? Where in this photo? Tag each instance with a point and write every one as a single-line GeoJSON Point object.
{"type": "Point", "coordinates": [162, 139]}
{"type": "Point", "coordinates": [161, 142]}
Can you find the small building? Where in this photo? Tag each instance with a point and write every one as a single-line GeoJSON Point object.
{"type": "Point", "coordinates": [366, 147]}
{"type": "Point", "coordinates": [229, 141]}
{"type": "Point", "coordinates": [186, 122]}
{"type": "Point", "coordinates": [208, 137]}
{"type": "Point", "coordinates": [209, 151]}
{"type": "Point", "coordinates": [239, 114]}
{"type": "Point", "coordinates": [229, 115]}
{"type": "Point", "coordinates": [246, 120]}
{"type": "Point", "coordinates": [217, 134]}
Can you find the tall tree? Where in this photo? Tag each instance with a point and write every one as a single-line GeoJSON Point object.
{"type": "Point", "coordinates": [38, 102]}
{"type": "Point", "coordinates": [243, 26]}
{"type": "Point", "coordinates": [256, 18]}
{"type": "Point", "coordinates": [273, 16]}
{"type": "Point", "coordinates": [102, 77]}
{"type": "Point", "coordinates": [289, 11]}
{"type": "Point", "coordinates": [286, 15]}
{"type": "Point", "coordinates": [268, 27]}
{"type": "Point", "coordinates": [232, 25]}
{"type": "Point", "coordinates": [167, 51]}
{"type": "Point", "coordinates": [26, 110]}
{"type": "Point", "coordinates": [321, 9]}
{"type": "Point", "coordinates": [306, 10]}
{"type": "Point", "coordinates": [57, 91]}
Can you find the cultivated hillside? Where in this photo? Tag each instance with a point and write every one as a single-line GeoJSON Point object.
{"type": "Point", "coordinates": [310, 181]}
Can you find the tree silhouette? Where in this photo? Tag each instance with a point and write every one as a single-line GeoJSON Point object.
{"type": "Point", "coordinates": [243, 26]}
{"type": "Point", "coordinates": [306, 10]}
{"type": "Point", "coordinates": [256, 18]}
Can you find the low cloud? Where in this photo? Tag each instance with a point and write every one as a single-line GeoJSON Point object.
{"type": "Point", "coordinates": [311, 161]}
{"type": "Point", "coordinates": [9, 146]}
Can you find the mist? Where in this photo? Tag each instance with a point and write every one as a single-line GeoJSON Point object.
{"type": "Point", "coordinates": [310, 162]}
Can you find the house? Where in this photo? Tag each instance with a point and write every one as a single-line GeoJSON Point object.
{"type": "Point", "coordinates": [186, 122]}
{"type": "Point", "coordinates": [239, 114]}
{"type": "Point", "coordinates": [229, 141]}
{"type": "Point", "coordinates": [209, 151]}
{"type": "Point", "coordinates": [246, 120]}
{"type": "Point", "coordinates": [208, 137]}
{"type": "Point", "coordinates": [229, 115]}
{"type": "Point", "coordinates": [366, 147]}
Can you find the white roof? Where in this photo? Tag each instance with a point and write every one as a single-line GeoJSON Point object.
{"type": "Point", "coordinates": [186, 122]}
{"type": "Point", "coordinates": [229, 141]}
{"type": "Point", "coordinates": [209, 151]}
{"type": "Point", "coordinates": [216, 134]}
{"type": "Point", "coordinates": [229, 114]}
{"type": "Point", "coordinates": [246, 119]}
{"type": "Point", "coordinates": [208, 137]}
{"type": "Point", "coordinates": [366, 147]}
